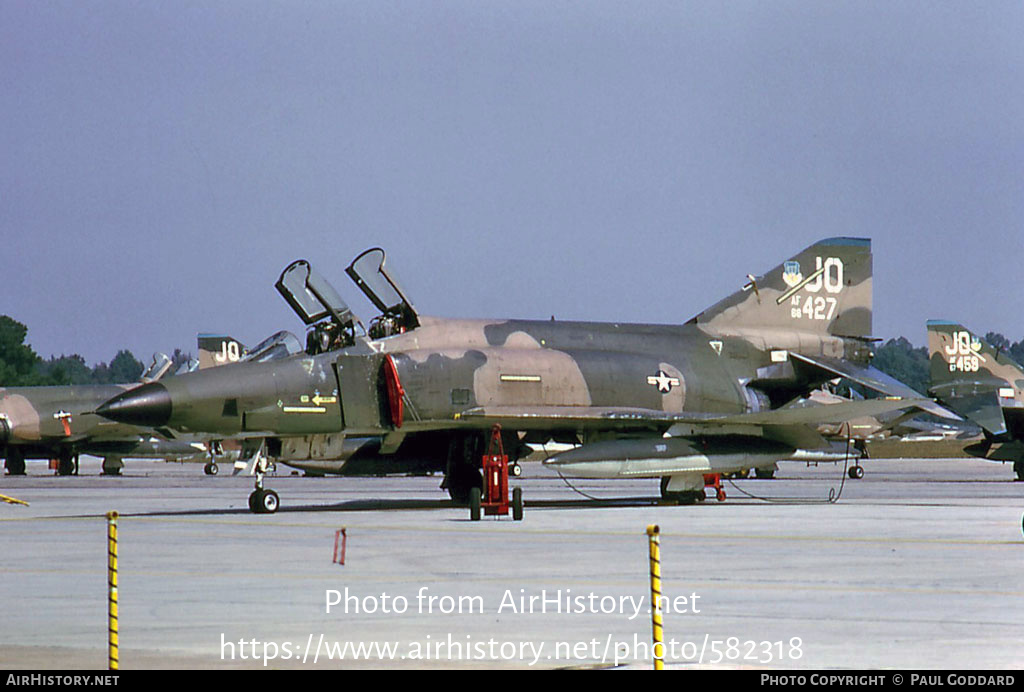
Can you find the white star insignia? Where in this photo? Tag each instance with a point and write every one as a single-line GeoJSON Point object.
{"type": "Point", "coordinates": [663, 382]}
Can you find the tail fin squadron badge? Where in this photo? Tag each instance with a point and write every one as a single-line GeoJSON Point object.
{"type": "Point", "coordinates": [791, 273]}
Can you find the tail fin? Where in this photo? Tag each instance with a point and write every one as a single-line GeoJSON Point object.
{"type": "Point", "coordinates": [825, 290]}
{"type": "Point", "coordinates": [957, 353]}
{"type": "Point", "coordinates": [218, 349]}
{"type": "Point", "coordinates": [971, 376]}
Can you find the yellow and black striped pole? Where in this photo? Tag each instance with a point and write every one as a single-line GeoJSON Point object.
{"type": "Point", "coordinates": [112, 662]}
{"type": "Point", "coordinates": [658, 648]}
{"type": "Point", "coordinates": [12, 500]}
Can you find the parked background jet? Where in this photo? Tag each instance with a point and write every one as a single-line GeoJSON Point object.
{"type": "Point", "coordinates": [983, 385]}
{"type": "Point", "coordinates": [58, 422]}
{"type": "Point", "coordinates": [431, 388]}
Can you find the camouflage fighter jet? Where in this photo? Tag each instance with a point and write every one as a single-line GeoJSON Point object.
{"type": "Point", "coordinates": [57, 423]}
{"type": "Point", "coordinates": [983, 385]}
{"type": "Point", "coordinates": [665, 401]}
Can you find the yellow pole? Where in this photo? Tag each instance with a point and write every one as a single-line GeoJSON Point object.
{"type": "Point", "coordinates": [12, 500]}
{"type": "Point", "coordinates": [658, 648]}
{"type": "Point", "coordinates": [112, 644]}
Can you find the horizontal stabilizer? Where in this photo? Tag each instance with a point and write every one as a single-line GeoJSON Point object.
{"type": "Point", "coordinates": [979, 403]}
{"type": "Point", "coordinates": [875, 380]}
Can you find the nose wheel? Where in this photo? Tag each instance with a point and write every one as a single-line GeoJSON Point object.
{"type": "Point", "coordinates": [262, 500]}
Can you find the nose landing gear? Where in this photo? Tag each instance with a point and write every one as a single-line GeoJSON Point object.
{"type": "Point", "coordinates": [262, 500]}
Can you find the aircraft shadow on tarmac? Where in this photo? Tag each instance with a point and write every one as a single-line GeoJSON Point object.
{"type": "Point", "coordinates": [392, 505]}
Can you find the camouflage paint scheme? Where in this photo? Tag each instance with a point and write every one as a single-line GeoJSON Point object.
{"type": "Point", "coordinates": [32, 426]}
{"type": "Point", "coordinates": [32, 421]}
{"type": "Point", "coordinates": [981, 384]}
{"type": "Point", "coordinates": [431, 388]}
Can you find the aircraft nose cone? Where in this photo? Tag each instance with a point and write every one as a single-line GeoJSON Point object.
{"type": "Point", "coordinates": [148, 405]}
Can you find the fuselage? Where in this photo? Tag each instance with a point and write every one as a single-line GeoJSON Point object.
{"type": "Point", "coordinates": [38, 421]}
{"type": "Point", "coordinates": [446, 367]}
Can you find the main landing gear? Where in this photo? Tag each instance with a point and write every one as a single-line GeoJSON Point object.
{"type": "Point", "coordinates": [15, 461]}
{"type": "Point", "coordinates": [462, 470]}
{"type": "Point", "coordinates": [695, 492]}
{"type": "Point", "coordinates": [690, 496]}
{"type": "Point", "coordinates": [67, 463]}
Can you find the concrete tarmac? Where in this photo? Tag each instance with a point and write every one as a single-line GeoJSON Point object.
{"type": "Point", "coordinates": [918, 565]}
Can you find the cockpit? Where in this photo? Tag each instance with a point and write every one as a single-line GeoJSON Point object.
{"type": "Point", "coordinates": [331, 324]}
{"type": "Point", "coordinates": [277, 346]}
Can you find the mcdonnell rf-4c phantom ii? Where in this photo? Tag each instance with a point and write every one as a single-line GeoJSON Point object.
{"type": "Point", "coordinates": [984, 386]}
{"type": "Point", "coordinates": [673, 402]}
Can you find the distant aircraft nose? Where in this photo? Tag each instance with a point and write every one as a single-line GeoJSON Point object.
{"type": "Point", "coordinates": [148, 405]}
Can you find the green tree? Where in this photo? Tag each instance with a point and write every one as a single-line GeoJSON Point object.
{"type": "Point", "coordinates": [17, 359]}
{"type": "Point", "coordinates": [125, 367]}
{"type": "Point", "coordinates": [1017, 351]}
{"type": "Point", "coordinates": [66, 370]}
{"type": "Point", "coordinates": [898, 358]}
{"type": "Point", "coordinates": [998, 341]}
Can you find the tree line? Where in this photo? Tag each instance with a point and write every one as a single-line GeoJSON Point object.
{"type": "Point", "coordinates": [21, 366]}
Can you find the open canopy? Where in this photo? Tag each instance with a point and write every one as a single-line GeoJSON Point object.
{"type": "Point", "coordinates": [311, 296]}
{"type": "Point", "coordinates": [382, 288]}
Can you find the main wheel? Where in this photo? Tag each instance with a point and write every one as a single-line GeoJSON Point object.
{"type": "Point", "coordinates": [463, 469]}
{"type": "Point", "coordinates": [65, 463]}
{"type": "Point", "coordinates": [682, 497]}
{"type": "Point", "coordinates": [1018, 468]}
{"type": "Point", "coordinates": [765, 473]}
{"type": "Point", "coordinates": [15, 462]}
{"type": "Point", "coordinates": [689, 497]}
{"type": "Point", "coordinates": [517, 504]}
{"type": "Point", "coordinates": [856, 472]}
{"type": "Point", "coordinates": [474, 504]}
{"type": "Point", "coordinates": [665, 494]}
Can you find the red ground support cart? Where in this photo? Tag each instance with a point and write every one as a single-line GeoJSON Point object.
{"type": "Point", "coordinates": [494, 497]}
{"type": "Point", "coordinates": [714, 480]}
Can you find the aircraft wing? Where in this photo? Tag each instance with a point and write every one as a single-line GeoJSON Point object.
{"type": "Point", "coordinates": [639, 417]}
{"type": "Point", "coordinates": [873, 379]}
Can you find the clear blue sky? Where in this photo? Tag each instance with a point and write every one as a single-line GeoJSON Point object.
{"type": "Point", "coordinates": [163, 161]}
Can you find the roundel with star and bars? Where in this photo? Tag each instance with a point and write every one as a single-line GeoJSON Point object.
{"type": "Point", "coordinates": [668, 381]}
